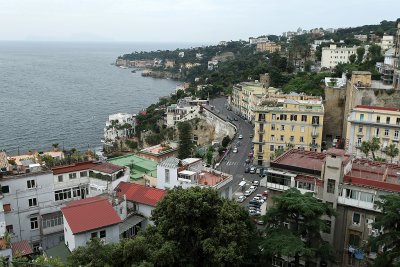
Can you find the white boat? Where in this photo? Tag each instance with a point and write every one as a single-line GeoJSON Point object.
{"type": "Point", "coordinates": [123, 67]}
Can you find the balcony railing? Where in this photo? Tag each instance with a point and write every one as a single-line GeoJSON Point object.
{"type": "Point", "coordinates": [277, 187]}
{"type": "Point", "coordinates": [358, 203]}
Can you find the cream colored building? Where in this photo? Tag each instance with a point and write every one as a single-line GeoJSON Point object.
{"type": "Point", "coordinates": [366, 122]}
{"type": "Point", "coordinates": [333, 55]}
{"type": "Point", "coordinates": [270, 47]}
{"type": "Point", "coordinates": [287, 121]}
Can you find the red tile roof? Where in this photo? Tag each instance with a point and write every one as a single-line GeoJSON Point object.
{"type": "Point", "coordinates": [74, 167]}
{"type": "Point", "coordinates": [106, 167]}
{"type": "Point", "coordinates": [89, 214]}
{"type": "Point", "coordinates": [377, 108]}
{"type": "Point", "coordinates": [21, 248]}
{"type": "Point", "coordinates": [140, 194]}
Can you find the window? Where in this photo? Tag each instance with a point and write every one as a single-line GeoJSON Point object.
{"type": "Point", "coordinates": [83, 174]}
{"type": "Point", "coordinates": [102, 233]}
{"type": "Point", "coordinates": [354, 240]}
{"type": "Point", "coordinates": [396, 136]}
{"type": "Point", "coordinates": [386, 132]}
{"type": "Point", "coordinates": [93, 235]}
{"type": "Point", "coordinates": [271, 147]}
{"type": "Point", "coordinates": [301, 140]}
{"type": "Point", "coordinates": [32, 202]}
{"type": "Point", "coordinates": [292, 128]}
{"type": "Point", "coordinates": [282, 138]}
{"type": "Point", "coordinates": [260, 138]}
{"type": "Point", "coordinates": [52, 222]}
{"type": "Point", "coordinates": [387, 120]}
{"type": "Point", "coordinates": [34, 223]}
{"type": "Point", "coordinates": [260, 148]}
{"type": "Point", "coordinates": [352, 194]}
{"type": "Point", "coordinates": [72, 175]}
{"type": "Point", "coordinates": [377, 132]}
{"type": "Point", "coordinates": [273, 117]}
{"type": "Point", "coordinates": [360, 129]}
{"type": "Point", "coordinates": [31, 183]}
{"type": "Point", "coordinates": [331, 186]}
{"type": "Point", "coordinates": [167, 176]}
{"type": "Point", "coordinates": [60, 178]}
{"type": "Point", "coordinates": [6, 188]}
{"type": "Point", "coordinates": [292, 138]}
{"type": "Point", "coordinates": [302, 129]}
{"type": "Point", "coordinates": [62, 194]}
{"type": "Point", "coordinates": [397, 121]}
{"type": "Point", "coordinates": [356, 218]}
{"type": "Point", "coordinates": [304, 118]}
{"type": "Point", "coordinates": [359, 141]}
{"type": "Point", "coordinates": [272, 127]}
{"type": "Point", "coordinates": [283, 117]}
{"type": "Point", "coordinates": [10, 228]}
{"type": "Point", "coordinates": [272, 137]}
{"type": "Point", "coordinates": [315, 120]}
{"type": "Point", "coordinates": [282, 127]}
{"type": "Point", "coordinates": [378, 119]}
{"type": "Point", "coordinates": [261, 127]}
{"type": "Point", "coordinates": [293, 117]}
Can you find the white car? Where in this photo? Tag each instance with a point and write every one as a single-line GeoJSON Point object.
{"type": "Point", "coordinates": [240, 199]}
{"type": "Point", "coordinates": [240, 136]}
{"type": "Point", "coordinates": [253, 188]}
{"type": "Point", "coordinates": [235, 150]}
{"type": "Point", "coordinates": [248, 193]}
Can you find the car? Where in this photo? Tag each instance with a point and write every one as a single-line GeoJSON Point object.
{"type": "Point", "coordinates": [334, 142]}
{"type": "Point", "coordinates": [253, 169]}
{"type": "Point", "coordinates": [235, 150]}
{"type": "Point", "coordinates": [247, 193]}
{"type": "Point", "coordinates": [254, 202]}
{"type": "Point", "coordinates": [256, 183]}
{"type": "Point", "coordinates": [238, 143]}
{"type": "Point", "coordinates": [259, 195]}
{"type": "Point", "coordinates": [263, 173]}
{"type": "Point", "coordinates": [251, 208]}
{"type": "Point", "coordinates": [254, 206]}
{"type": "Point", "coordinates": [265, 193]}
{"type": "Point", "coordinates": [240, 199]}
{"type": "Point", "coordinates": [247, 170]}
{"type": "Point", "coordinates": [256, 198]}
{"type": "Point", "coordinates": [252, 212]}
{"type": "Point", "coordinates": [240, 136]}
{"type": "Point", "coordinates": [216, 165]}
{"type": "Point", "coordinates": [247, 161]}
{"type": "Point", "coordinates": [261, 201]}
{"type": "Point", "coordinates": [253, 188]}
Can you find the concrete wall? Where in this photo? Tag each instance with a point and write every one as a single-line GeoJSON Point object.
{"type": "Point", "coordinates": [173, 177]}
{"type": "Point", "coordinates": [334, 105]}
{"type": "Point", "coordinates": [69, 238]}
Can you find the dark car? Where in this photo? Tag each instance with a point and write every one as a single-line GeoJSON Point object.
{"type": "Point", "coordinates": [247, 170]}
{"type": "Point", "coordinates": [247, 161]}
{"type": "Point", "coordinates": [254, 202]}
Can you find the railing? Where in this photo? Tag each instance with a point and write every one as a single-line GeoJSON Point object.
{"type": "Point", "coordinates": [277, 187]}
{"type": "Point", "coordinates": [358, 203]}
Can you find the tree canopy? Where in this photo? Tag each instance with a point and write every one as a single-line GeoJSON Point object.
{"type": "Point", "coordinates": [185, 140]}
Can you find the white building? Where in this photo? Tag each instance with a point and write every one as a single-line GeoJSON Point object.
{"type": "Point", "coordinates": [181, 54]}
{"type": "Point", "coordinates": [89, 218]}
{"type": "Point", "coordinates": [190, 172]}
{"type": "Point", "coordinates": [186, 109]}
{"type": "Point", "coordinates": [387, 42]}
{"type": "Point", "coordinates": [333, 55]}
{"type": "Point", "coordinates": [119, 126]}
{"type": "Point", "coordinates": [212, 64]}
{"type": "Point", "coordinates": [253, 40]}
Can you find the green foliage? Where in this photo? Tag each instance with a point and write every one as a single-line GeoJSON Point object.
{"type": "Point", "coordinates": [203, 229]}
{"type": "Point", "coordinates": [53, 262]}
{"type": "Point", "coordinates": [311, 84]}
{"type": "Point", "coordinates": [131, 144]}
{"type": "Point", "coordinates": [185, 140]}
{"type": "Point", "coordinates": [360, 54]}
{"type": "Point", "coordinates": [388, 220]}
{"type": "Point", "coordinates": [392, 151]}
{"type": "Point", "coordinates": [225, 141]}
{"type": "Point", "coordinates": [303, 239]}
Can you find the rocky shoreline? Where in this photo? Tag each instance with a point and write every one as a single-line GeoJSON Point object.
{"type": "Point", "coordinates": [161, 74]}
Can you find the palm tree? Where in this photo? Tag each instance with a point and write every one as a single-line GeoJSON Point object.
{"type": "Point", "coordinates": [55, 146]}
{"type": "Point", "coordinates": [392, 151]}
{"type": "Point", "coordinates": [374, 145]}
{"type": "Point", "coordinates": [365, 148]}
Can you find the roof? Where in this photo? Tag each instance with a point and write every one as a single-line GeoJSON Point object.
{"type": "Point", "coordinates": [80, 166]}
{"type": "Point", "coordinates": [360, 72]}
{"type": "Point", "coordinates": [140, 193]}
{"type": "Point", "coordinates": [106, 167]}
{"type": "Point", "coordinates": [3, 160]}
{"type": "Point", "coordinates": [171, 162]}
{"type": "Point", "coordinates": [377, 108]}
{"type": "Point", "coordinates": [21, 248]}
{"type": "Point", "coordinates": [89, 214]}
{"type": "Point", "coordinates": [374, 174]}
{"type": "Point", "coordinates": [139, 166]}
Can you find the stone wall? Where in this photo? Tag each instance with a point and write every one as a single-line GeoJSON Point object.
{"type": "Point", "coordinates": [334, 113]}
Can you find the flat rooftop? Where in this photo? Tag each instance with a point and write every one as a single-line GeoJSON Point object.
{"type": "Point", "coordinates": [375, 174]}
{"type": "Point", "coordinates": [139, 166]}
{"type": "Point", "coordinates": [210, 179]}
{"type": "Point", "coordinates": [157, 150]}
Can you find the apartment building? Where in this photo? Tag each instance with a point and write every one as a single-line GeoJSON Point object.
{"type": "Point", "coordinates": [287, 121]}
{"type": "Point", "coordinates": [366, 122]}
{"type": "Point", "coordinates": [270, 47]}
{"type": "Point", "coordinates": [333, 55]}
{"type": "Point", "coordinates": [243, 99]}
{"type": "Point", "coordinates": [119, 126]}
{"type": "Point", "coordinates": [185, 109]}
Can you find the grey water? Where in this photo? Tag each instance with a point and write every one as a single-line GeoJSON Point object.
{"type": "Point", "coordinates": [62, 93]}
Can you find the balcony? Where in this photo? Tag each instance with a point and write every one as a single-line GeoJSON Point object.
{"type": "Point", "coordinates": [277, 187]}
{"type": "Point", "coordinates": [314, 134]}
{"type": "Point", "coordinates": [358, 203]}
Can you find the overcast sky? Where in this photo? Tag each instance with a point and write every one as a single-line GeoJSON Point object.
{"type": "Point", "coordinates": [180, 20]}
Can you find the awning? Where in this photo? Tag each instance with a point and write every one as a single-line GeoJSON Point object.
{"type": "Point", "coordinates": [129, 223]}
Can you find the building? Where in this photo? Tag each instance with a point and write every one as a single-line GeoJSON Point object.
{"type": "Point", "coordinates": [361, 37]}
{"type": "Point", "coordinates": [141, 201]}
{"type": "Point", "coordinates": [89, 218]}
{"type": "Point", "coordinates": [190, 172]}
{"type": "Point", "coordinates": [387, 42]}
{"type": "Point", "coordinates": [366, 122]}
{"type": "Point", "coordinates": [119, 126]}
{"type": "Point", "coordinates": [169, 63]}
{"type": "Point", "coordinates": [142, 170]}
{"type": "Point", "coordinates": [253, 40]}
{"type": "Point", "coordinates": [240, 99]}
{"type": "Point", "coordinates": [287, 121]}
{"type": "Point", "coordinates": [186, 109]}
{"type": "Point", "coordinates": [212, 64]}
{"type": "Point", "coordinates": [159, 152]}
{"type": "Point", "coordinates": [270, 47]}
{"type": "Point", "coordinates": [333, 55]}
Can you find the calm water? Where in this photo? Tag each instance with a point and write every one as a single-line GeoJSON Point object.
{"type": "Point", "coordinates": [64, 92]}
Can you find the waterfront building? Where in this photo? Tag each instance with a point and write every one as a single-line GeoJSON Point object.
{"type": "Point", "coordinates": [119, 126]}
{"type": "Point", "coordinates": [270, 47]}
{"type": "Point", "coordinates": [333, 55]}
{"type": "Point", "coordinates": [190, 172]}
{"type": "Point", "coordinates": [186, 109]}
{"type": "Point", "coordinates": [282, 121]}
{"type": "Point", "coordinates": [159, 152]}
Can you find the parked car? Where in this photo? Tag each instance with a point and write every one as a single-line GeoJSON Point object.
{"type": "Point", "coordinates": [247, 161]}
{"type": "Point", "coordinates": [253, 169]}
{"type": "Point", "coordinates": [263, 173]}
{"type": "Point", "coordinates": [240, 199]}
{"type": "Point", "coordinates": [254, 202]}
{"type": "Point", "coordinates": [247, 193]}
{"type": "Point", "coordinates": [247, 170]}
{"type": "Point", "coordinates": [265, 193]}
{"type": "Point", "coordinates": [240, 136]}
{"type": "Point", "coordinates": [256, 183]}
{"type": "Point", "coordinates": [253, 188]}
{"type": "Point", "coordinates": [235, 150]}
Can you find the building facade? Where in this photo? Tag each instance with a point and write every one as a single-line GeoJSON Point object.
{"type": "Point", "coordinates": [119, 126]}
{"type": "Point", "coordinates": [333, 55]}
{"type": "Point", "coordinates": [270, 47]}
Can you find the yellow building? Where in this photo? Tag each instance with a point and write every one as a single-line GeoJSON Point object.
{"type": "Point", "coordinates": [366, 122]}
{"type": "Point", "coordinates": [268, 47]}
{"type": "Point", "coordinates": [283, 121]}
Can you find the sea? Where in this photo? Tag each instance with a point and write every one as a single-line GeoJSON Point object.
{"type": "Point", "coordinates": [63, 92]}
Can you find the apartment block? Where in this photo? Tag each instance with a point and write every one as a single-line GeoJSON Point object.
{"type": "Point", "coordinates": [366, 122]}
{"type": "Point", "coordinates": [270, 47]}
{"type": "Point", "coordinates": [333, 55]}
{"type": "Point", "coordinates": [287, 121]}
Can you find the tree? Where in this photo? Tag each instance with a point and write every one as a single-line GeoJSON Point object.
{"type": "Point", "coordinates": [302, 239]}
{"type": "Point", "coordinates": [352, 58]}
{"type": "Point", "coordinates": [389, 240]}
{"type": "Point", "coordinates": [392, 151]}
{"type": "Point", "coordinates": [360, 54]}
{"type": "Point", "coordinates": [374, 145]}
{"type": "Point", "coordinates": [225, 141]}
{"type": "Point", "coordinates": [279, 152]}
{"type": "Point", "coordinates": [365, 148]}
{"type": "Point", "coordinates": [55, 146]}
{"type": "Point", "coordinates": [209, 157]}
{"type": "Point", "coordinates": [203, 228]}
{"type": "Point", "coordinates": [54, 262]}
{"type": "Point", "coordinates": [185, 140]}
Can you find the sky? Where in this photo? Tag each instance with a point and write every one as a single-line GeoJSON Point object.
{"type": "Point", "coordinates": [180, 20]}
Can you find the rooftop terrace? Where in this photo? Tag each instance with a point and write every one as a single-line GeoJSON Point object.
{"type": "Point", "coordinates": [139, 166]}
